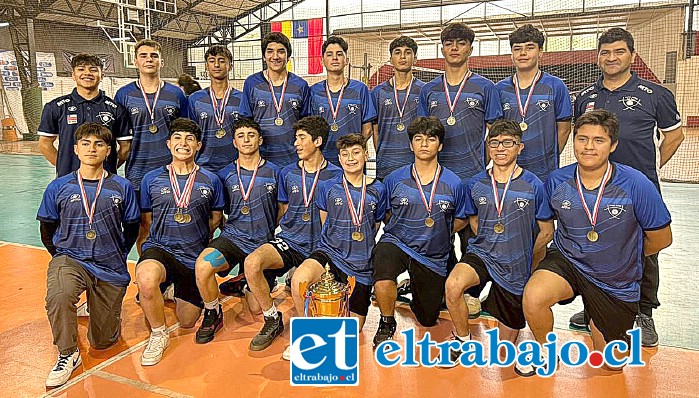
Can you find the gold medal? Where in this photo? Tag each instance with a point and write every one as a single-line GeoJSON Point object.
{"type": "Point", "coordinates": [278, 121]}
{"type": "Point", "coordinates": [429, 222]}
{"type": "Point", "coordinates": [334, 127]}
{"type": "Point", "coordinates": [357, 236]}
{"type": "Point", "coordinates": [245, 209]}
{"type": "Point", "coordinates": [306, 217]}
{"type": "Point", "coordinates": [499, 228]}
{"type": "Point", "coordinates": [220, 133]}
{"type": "Point", "coordinates": [153, 128]}
{"type": "Point", "coordinates": [523, 126]}
{"type": "Point", "coordinates": [179, 217]}
{"type": "Point", "coordinates": [400, 126]}
{"type": "Point", "coordinates": [91, 234]}
{"type": "Point", "coordinates": [592, 236]}
{"type": "Point", "coordinates": [187, 218]}
{"type": "Point", "coordinates": [451, 120]}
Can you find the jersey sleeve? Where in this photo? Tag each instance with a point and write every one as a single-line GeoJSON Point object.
{"type": "Point", "coordinates": [183, 104]}
{"type": "Point", "coordinates": [423, 107]}
{"type": "Point", "coordinates": [564, 108]}
{"type": "Point", "coordinates": [282, 195]}
{"type": "Point", "coordinates": [648, 205]}
{"type": "Point", "coordinates": [132, 212]}
{"type": "Point", "coordinates": [190, 107]}
{"type": "Point", "coordinates": [321, 197]}
{"type": "Point", "coordinates": [578, 109]}
{"type": "Point", "coordinates": [666, 112]}
{"type": "Point", "coordinates": [543, 208]}
{"type": "Point", "coordinates": [218, 200]}
{"type": "Point", "coordinates": [369, 109]}
{"type": "Point", "coordinates": [460, 201]}
{"type": "Point", "coordinates": [245, 109]}
{"type": "Point", "coordinates": [383, 200]}
{"type": "Point", "coordinates": [119, 97]}
{"type": "Point", "coordinates": [144, 193]}
{"type": "Point", "coordinates": [469, 205]}
{"type": "Point", "coordinates": [122, 127]}
{"type": "Point", "coordinates": [493, 108]}
{"type": "Point", "coordinates": [48, 126]}
{"type": "Point", "coordinates": [374, 97]}
{"type": "Point", "coordinates": [48, 210]}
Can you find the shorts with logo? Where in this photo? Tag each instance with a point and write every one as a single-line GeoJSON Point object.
{"type": "Point", "coordinates": [175, 272]}
{"type": "Point", "coordinates": [290, 256]}
{"type": "Point", "coordinates": [612, 316]}
{"type": "Point", "coordinates": [503, 305]}
{"type": "Point", "coordinates": [360, 300]}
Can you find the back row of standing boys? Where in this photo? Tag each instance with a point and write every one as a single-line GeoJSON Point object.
{"type": "Point", "coordinates": [269, 156]}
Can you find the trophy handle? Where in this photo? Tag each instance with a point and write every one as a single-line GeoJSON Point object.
{"type": "Point", "coordinates": [303, 288]}
{"type": "Point", "coordinates": [351, 281]}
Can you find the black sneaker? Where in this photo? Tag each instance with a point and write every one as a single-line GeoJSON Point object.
{"type": "Point", "coordinates": [649, 337]}
{"type": "Point", "coordinates": [386, 330]}
{"type": "Point", "coordinates": [274, 326]}
{"type": "Point", "coordinates": [234, 286]}
{"type": "Point", "coordinates": [454, 354]}
{"type": "Point", "coordinates": [212, 323]}
{"type": "Point", "coordinates": [580, 321]}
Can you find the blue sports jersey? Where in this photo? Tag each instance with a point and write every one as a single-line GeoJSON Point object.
{"type": "Point", "coordinates": [302, 236]}
{"type": "Point", "coordinates": [63, 115]}
{"type": "Point", "coordinates": [508, 255]}
{"type": "Point", "coordinates": [215, 153]}
{"type": "Point", "coordinates": [183, 241]}
{"type": "Point", "coordinates": [149, 151]}
{"type": "Point", "coordinates": [406, 227]}
{"type": "Point", "coordinates": [642, 107]}
{"type": "Point", "coordinates": [350, 256]}
{"type": "Point", "coordinates": [630, 205]}
{"type": "Point", "coordinates": [278, 141]}
{"type": "Point", "coordinates": [549, 104]}
{"type": "Point", "coordinates": [355, 109]}
{"type": "Point", "coordinates": [105, 256]}
{"type": "Point", "coordinates": [249, 231]}
{"type": "Point", "coordinates": [394, 146]}
{"type": "Point", "coordinates": [477, 105]}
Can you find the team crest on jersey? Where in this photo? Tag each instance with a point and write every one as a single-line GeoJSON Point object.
{"type": "Point", "coordinates": [203, 115]}
{"type": "Point", "coordinates": [387, 102]}
{"type": "Point", "coordinates": [565, 205]}
{"type": "Point", "coordinates": [338, 202]}
{"type": "Point", "coordinates": [105, 117]}
{"type": "Point", "coordinates": [116, 199]}
{"type": "Point", "coordinates": [506, 106]}
{"type": "Point", "coordinates": [205, 192]}
{"type": "Point", "coordinates": [615, 210]}
{"type": "Point", "coordinates": [170, 110]}
{"type": "Point", "coordinates": [482, 200]}
{"type": "Point", "coordinates": [321, 109]}
{"type": "Point", "coordinates": [521, 203]}
{"type": "Point", "coordinates": [72, 109]}
{"type": "Point", "coordinates": [269, 186]}
{"type": "Point", "coordinates": [165, 191]}
{"type": "Point", "coordinates": [403, 202]}
{"type": "Point", "coordinates": [543, 105]}
{"type": "Point", "coordinates": [373, 206]}
{"type": "Point", "coordinates": [590, 107]}
{"type": "Point", "coordinates": [135, 110]}
{"type": "Point", "coordinates": [352, 108]}
{"type": "Point", "coordinates": [443, 205]}
{"type": "Point", "coordinates": [235, 188]}
{"type": "Point", "coordinates": [72, 119]}
{"type": "Point", "coordinates": [433, 104]}
{"type": "Point", "coordinates": [261, 104]}
{"type": "Point", "coordinates": [472, 102]}
{"type": "Point", "coordinates": [630, 102]}
{"type": "Point", "coordinates": [644, 88]}
{"type": "Point", "coordinates": [74, 198]}
{"type": "Point", "coordinates": [294, 189]}
{"type": "Point", "coordinates": [294, 103]}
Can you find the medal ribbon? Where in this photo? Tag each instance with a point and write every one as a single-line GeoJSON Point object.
{"type": "Point", "coordinates": [515, 82]}
{"type": "Point", "coordinates": [500, 202]}
{"type": "Point", "coordinates": [278, 105]}
{"type": "Point", "coordinates": [359, 213]}
{"type": "Point", "coordinates": [182, 199]}
{"type": "Point", "coordinates": [458, 93]}
{"type": "Point", "coordinates": [246, 193]}
{"type": "Point", "coordinates": [151, 109]}
{"type": "Point", "coordinates": [334, 109]}
{"type": "Point", "coordinates": [307, 198]}
{"type": "Point", "coordinates": [90, 209]}
{"type": "Point", "coordinates": [607, 176]}
{"type": "Point", "coordinates": [405, 100]}
{"type": "Point", "coordinates": [435, 180]}
{"type": "Point", "coordinates": [220, 110]}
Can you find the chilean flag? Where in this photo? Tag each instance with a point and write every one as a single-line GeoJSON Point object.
{"type": "Point", "coordinates": [306, 43]}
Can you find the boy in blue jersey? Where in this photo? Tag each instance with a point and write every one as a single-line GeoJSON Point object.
{"type": "Point", "coordinates": [300, 223]}
{"type": "Point", "coordinates": [275, 98]}
{"type": "Point", "coordinates": [182, 206]}
{"type": "Point", "coordinates": [215, 109]}
{"type": "Point", "coordinates": [510, 214]}
{"type": "Point", "coordinates": [251, 185]}
{"type": "Point", "coordinates": [344, 103]}
{"type": "Point", "coordinates": [87, 103]}
{"type": "Point", "coordinates": [426, 204]}
{"type": "Point", "coordinates": [646, 111]}
{"type": "Point", "coordinates": [89, 222]}
{"type": "Point", "coordinates": [351, 210]}
{"type": "Point", "coordinates": [609, 217]}
{"type": "Point", "coordinates": [538, 102]}
{"type": "Point", "coordinates": [396, 101]}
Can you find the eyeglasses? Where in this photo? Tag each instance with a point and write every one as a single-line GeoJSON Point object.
{"type": "Point", "coordinates": [505, 143]}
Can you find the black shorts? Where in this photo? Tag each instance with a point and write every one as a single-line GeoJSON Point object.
{"type": "Point", "coordinates": [290, 257]}
{"type": "Point", "coordinates": [360, 300]}
{"type": "Point", "coordinates": [231, 252]}
{"type": "Point", "coordinates": [503, 305]}
{"type": "Point", "coordinates": [175, 272]}
{"type": "Point", "coordinates": [427, 286]}
{"type": "Point", "coordinates": [613, 317]}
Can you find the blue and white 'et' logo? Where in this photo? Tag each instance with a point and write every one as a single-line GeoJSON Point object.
{"type": "Point", "coordinates": [324, 352]}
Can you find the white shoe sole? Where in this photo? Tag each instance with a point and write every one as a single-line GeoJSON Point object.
{"type": "Point", "coordinates": [154, 361]}
{"type": "Point", "coordinates": [53, 383]}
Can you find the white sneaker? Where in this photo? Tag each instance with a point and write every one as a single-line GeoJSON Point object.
{"type": "Point", "coordinates": [287, 353]}
{"type": "Point", "coordinates": [64, 367]}
{"type": "Point", "coordinates": [82, 310]}
{"type": "Point", "coordinates": [474, 306]}
{"type": "Point", "coordinates": [169, 293]}
{"type": "Point", "coordinates": [153, 353]}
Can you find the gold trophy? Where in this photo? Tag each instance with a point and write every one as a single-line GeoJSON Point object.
{"type": "Point", "coordinates": [327, 297]}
